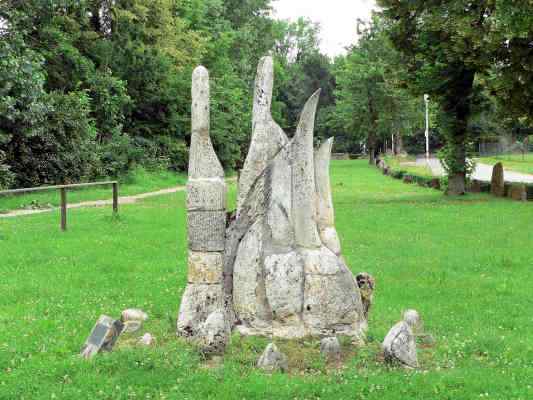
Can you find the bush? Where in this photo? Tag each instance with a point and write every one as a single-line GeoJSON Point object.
{"type": "Point", "coordinates": [6, 176]}
{"type": "Point", "coordinates": [64, 151]}
{"type": "Point", "coordinates": [118, 155]}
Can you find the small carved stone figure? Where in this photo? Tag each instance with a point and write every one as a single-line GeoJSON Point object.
{"type": "Point", "coordinates": [399, 346]}
{"type": "Point", "coordinates": [366, 284]}
{"type": "Point", "coordinates": [273, 360]}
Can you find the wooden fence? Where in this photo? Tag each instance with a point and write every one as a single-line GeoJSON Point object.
{"type": "Point", "coordinates": [63, 193]}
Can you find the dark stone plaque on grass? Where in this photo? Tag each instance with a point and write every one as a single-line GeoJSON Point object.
{"type": "Point", "coordinates": [103, 336]}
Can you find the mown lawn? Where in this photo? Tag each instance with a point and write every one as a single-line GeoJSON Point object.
{"type": "Point", "coordinates": [465, 264]}
{"type": "Point", "coordinates": [138, 181]}
{"type": "Point", "coordinates": [512, 162]}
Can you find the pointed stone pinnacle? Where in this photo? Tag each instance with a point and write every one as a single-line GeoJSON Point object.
{"type": "Point", "coordinates": [267, 137]}
{"type": "Point", "coordinates": [203, 162]}
{"type": "Point", "coordinates": [324, 202]}
{"type": "Point", "coordinates": [303, 178]}
{"type": "Point", "coordinates": [264, 84]}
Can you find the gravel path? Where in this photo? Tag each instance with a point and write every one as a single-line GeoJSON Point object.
{"type": "Point", "coordinates": [96, 203]}
{"type": "Point", "coordinates": [483, 172]}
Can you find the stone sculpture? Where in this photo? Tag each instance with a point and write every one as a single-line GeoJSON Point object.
{"type": "Point", "coordinates": [276, 269]}
{"type": "Point", "coordinates": [366, 284]}
{"type": "Point", "coordinates": [399, 346]}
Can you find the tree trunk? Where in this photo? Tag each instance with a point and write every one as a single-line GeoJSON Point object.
{"type": "Point", "coordinates": [399, 143]}
{"type": "Point", "coordinates": [456, 184]}
{"type": "Point", "coordinates": [371, 145]}
{"type": "Point", "coordinates": [457, 111]}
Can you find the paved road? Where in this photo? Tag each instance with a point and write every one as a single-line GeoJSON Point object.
{"type": "Point", "coordinates": [483, 172]}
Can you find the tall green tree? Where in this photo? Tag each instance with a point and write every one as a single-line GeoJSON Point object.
{"type": "Point", "coordinates": [449, 46]}
{"type": "Point", "coordinates": [371, 100]}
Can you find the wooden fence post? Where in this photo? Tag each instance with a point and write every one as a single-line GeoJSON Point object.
{"type": "Point", "coordinates": [115, 197]}
{"type": "Point", "coordinates": [63, 209]}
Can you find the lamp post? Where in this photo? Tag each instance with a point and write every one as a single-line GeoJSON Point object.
{"type": "Point", "coordinates": [426, 100]}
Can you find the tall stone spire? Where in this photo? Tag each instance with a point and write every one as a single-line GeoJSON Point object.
{"type": "Point", "coordinates": [303, 178]}
{"type": "Point", "coordinates": [324, 202]}
{"type": "Point", "coordinates": [267, 137]}
{"type": "Point", "coordinates": [206, 218]}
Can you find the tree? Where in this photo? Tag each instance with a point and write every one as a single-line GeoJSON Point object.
{"type": "Point", "coordinates": [371, 102]}
{"type": "Point", "coordinates": [446, 45]}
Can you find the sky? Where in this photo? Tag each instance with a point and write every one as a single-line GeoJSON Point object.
{"type": "Point", "coordinates": [337, 18]}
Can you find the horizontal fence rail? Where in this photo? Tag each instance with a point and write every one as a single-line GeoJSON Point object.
{"type": "Point", "coordinates": [63, 193]}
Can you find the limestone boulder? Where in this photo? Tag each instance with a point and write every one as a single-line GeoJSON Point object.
{"type": "Point", "coordinates": [273, 360]}
{"type": "Point", "coordinates": [214, 334]}
{"type": "Point", "coordinates": [198, 302]}
{"type": "Point", "coordinates": [399, 346]}
{"type": "Point", "coordinates": [330, 349]}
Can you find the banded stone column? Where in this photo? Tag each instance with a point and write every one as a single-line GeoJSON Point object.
{"type": "Point", "coordinates": [206, 218]}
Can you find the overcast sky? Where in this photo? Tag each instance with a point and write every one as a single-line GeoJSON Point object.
{"type": "Point", "coordinates": [338, 18]}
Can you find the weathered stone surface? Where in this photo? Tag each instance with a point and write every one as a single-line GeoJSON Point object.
{"type": "Point", "coordinates": [330, 349]}
{"type": "Point", "coordinates": [147, 340]}
{"type": "Point", "coordinates": [267, 137]}
{"type": "Point", "coordinates": [284, 282]}
{"type": "Point", "coordinates": [103, 336]}
{"type": "Point", "coordinates": [303, 178]}
{"type": "Point", "coordinates": [475, 186]}
{"type": "Point", "coordinates": [249, 292]}
{"type": "Point", "coordinates": [332, 304]}
{"type": "Point", "coordinates": [325, 213]}
{"type": "Point", "coordinates": [205, 267]}
{"type": "Point", "coordinates": [330, 239]}
{"type": "Point", "coordinates": [132, 326]}
{"type": "Point", "coordinates": [412, 318]}
{"type": "Point", "coordinates": [321, 261]}
{"type": "Point", "coordinates": [197, 303]}
{"type": "Point", "coordinates": [206, 195]}
{"type": "Point", "coordinates": [366, 284]}
{"type": "Point", "coordinates": [206, 230]}
{"type": "Point", "coordinates": [214, 334]}
{"type": "Point", "coordinates": [272, 360]}
{"type": "Point", "coordinates": [497, 183]}
{"type": "Point", "coordinates": [518, 192]}
{"type": "Point", "coordinates": [399, 346]}
{"type": "Point", "coordinates": [133, 314]}
{"type": "Point", "coordinates": [279, 207]}
{"type": "Point", "coordinates": [203, 162]}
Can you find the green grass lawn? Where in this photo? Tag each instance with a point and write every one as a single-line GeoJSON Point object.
{"type": "Point", "coordinates": [465, 264]}
{"type": "Point", "coordinates": [406, 164]}
{"type": "Point", "coordinates": [512, 162]}
{"type": "Point", "coordinates": [139, 181]}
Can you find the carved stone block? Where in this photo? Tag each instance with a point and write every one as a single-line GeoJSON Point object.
{"type": "Point", "coordinates": [205, 267]}
{"type": "Point", "coordinates": [206, 195]}
{"type": "Point", "coordinates": [206, 230]}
